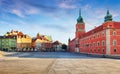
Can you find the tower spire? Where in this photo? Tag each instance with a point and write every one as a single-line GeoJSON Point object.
{"type": "Point", "coordinates": [108, 12]}
{"type": "Point", "coordinates": [108, 16]}
{"type": "Point", "coordinates": [69, 39]}
{"type": "Point", "coordinates": [79, 11]}
{"type": "Point", "coordinates": [80, 19]}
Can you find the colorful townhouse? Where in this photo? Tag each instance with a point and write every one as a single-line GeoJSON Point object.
{"type": "Point", "coordinates": [17, 41]}
{"type": "Point", "coordinates": [57, 46]}
{"type": "Point", "coordinates": [8, 43]}
{"type": "Point", "coordinates": [23, 41]}
{"type": "Point", "coordinates": [102, 40]}
{"type": "Point", "coordinates": [42, 43]}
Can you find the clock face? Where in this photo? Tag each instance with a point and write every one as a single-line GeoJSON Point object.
{"type": "Point", "coordinates": [80, 27]}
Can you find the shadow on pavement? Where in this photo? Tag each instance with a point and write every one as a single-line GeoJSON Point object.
{"type": "Point", "coordinates": [51, 55]}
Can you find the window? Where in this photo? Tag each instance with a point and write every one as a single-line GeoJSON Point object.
{"type": "Point", "coordinates": [98, 35]}
{"type": "Point", "coordinates": [98, 43]}
{"type": "Point", "coordinates": [24, 36]}
{"type": "Point", "coordinates": [98, 49]}
{"type": "Point", "coordinates": [114, 42]}
{"type": "Point", "coordinates": [102, 33]}
{"type": "Point", "coordinates": [94, 50]}
{"type": "Point", "coordinates": [103, 50]}
{"type": "Point", "coordinates": [94, 43]}
{"type": "Point", "coordinates": [115, 50]}
{"type": "Point", "coordinates": [114, 33]}
{"type": "Point", "coordinates": [103, 43]}
{"type": "Point", "coordinates": [14, 37]}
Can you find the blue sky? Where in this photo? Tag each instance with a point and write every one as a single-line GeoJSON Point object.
{"type": "Point", "coordinates": [54, 17]}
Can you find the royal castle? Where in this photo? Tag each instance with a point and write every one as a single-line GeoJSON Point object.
{"type": "Point", "coordinates": [102, 40]}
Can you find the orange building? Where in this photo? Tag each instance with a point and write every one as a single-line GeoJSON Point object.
{"type": "Point", "coordinates": [102, 40]}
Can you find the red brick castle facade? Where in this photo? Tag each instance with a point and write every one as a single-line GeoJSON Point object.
{"type": "Point", "coordinates": [104, 39]}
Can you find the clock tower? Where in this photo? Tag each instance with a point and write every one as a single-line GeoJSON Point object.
{"type": "Point", "coordinates": [80, 26]}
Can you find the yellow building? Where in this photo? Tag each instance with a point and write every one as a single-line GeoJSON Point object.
{"type": "Point", "coordinates": [24, 43]}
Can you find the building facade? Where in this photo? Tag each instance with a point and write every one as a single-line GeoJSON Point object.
{"type": "Point", "coordinates": [8, 43]}
{"type": "Point", "coordinates": [103, 40]}
{"type": "Point", "coordinates": [23, 41]}
{"type": "Point", "coordinates": [42, 43]}
{"type": "Point", "coordinates": [57, 46]}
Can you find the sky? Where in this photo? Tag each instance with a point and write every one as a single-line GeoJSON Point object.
{"type": "Point", "coordinates": [56, 18]}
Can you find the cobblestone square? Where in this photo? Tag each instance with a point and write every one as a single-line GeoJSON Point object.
{"type": "Point", "coordinates": [56, 63]}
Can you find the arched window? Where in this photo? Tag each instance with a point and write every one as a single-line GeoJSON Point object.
{"type": "Point", "coordinates": [98, 35]}
{"type": "Point", "coordinates": [114, 42]}
{"type": "Point", "coordinates": [115, 50]}
{"type": "Point", "coordinates": [114, 33]}
{"type": "Point", "coordinates": [98, 43]}
{"type": "Point", "coordinates": [103, 43]}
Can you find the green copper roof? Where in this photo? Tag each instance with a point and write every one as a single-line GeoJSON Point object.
{"type": "Point", "coordinates": [80, 19]}
{"type": "Point", "coordinates": [108, 17]}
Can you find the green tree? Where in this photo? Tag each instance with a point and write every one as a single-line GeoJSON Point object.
{"type": "Point", "coordinates": [64, 46]}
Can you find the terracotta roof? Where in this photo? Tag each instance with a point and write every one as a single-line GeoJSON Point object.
{"type": "Point", "coordinates": [95, 30]}
{"type": "Point", "coordinates": [117, 25]}
{"type": "Point", "coordinates": [57, 43]}
{"type": "Point", "coordinates": [20, 34]}
{"type": "Point", "coordinates": [102, 27]}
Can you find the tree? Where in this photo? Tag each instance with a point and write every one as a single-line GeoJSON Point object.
{"type": "Point", "coordinates": [64, 46]}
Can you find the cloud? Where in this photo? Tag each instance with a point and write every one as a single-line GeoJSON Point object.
{"type": "Point", "coordinates": [17, 12]}
{"type": "Point", "coordinates": [32, 10]}
{"type": "Point", "coordinates": [115, 13]}
{"type": "Point", "coordinates": [66, 6]}
{"type": "Point", "coordinates": [86, 7]}
{"type": "Point", "coordinates": [17, 7]}
{"type": "Point", "coordinates": [101, 13]}
{"type": "Point", "coordinates": [55, 26]}
{"type": "Point", "coordinates": [24, 9]}
{"type": "Point", "coordinates": [41, 6]}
